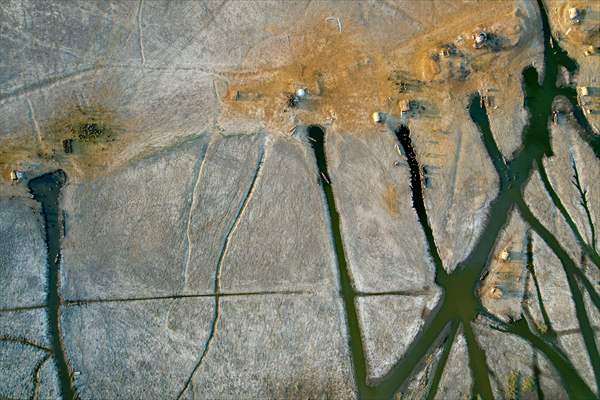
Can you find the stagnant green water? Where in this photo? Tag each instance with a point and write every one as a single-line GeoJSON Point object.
{"type": "Point", "coordinates": [46, 190]}
{"type": "Point", "coordinates": [460, 304]}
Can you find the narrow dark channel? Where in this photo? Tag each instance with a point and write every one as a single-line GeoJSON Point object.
{"type": "Point", "coordinates": [403, 135]}
{"type": "Point", "coordinates": [316, 135]}
{"type": "Point", "coordinates": [439, 370]}
{"type": "Point", "coordinates": [583, 201]}
{"type": "Point", "coordinates": [549, 330]}
{"type": "Point", "coordinates": [46, 189]}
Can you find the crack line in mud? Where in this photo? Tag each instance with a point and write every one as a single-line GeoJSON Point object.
{"type": "Point", "coordinates": [24, 308]}
{"type": "Point", "coordinates": [46, 190]}
{"type": "Point", "coordinates": [219, 266]}
{"type": "Point", "coordinates": [196, 179]}
{"type": "Point", "coordinates": [46, 83]}
{"type": "Point", "coordinates": [572, 331]}
{"type": "Point", "coordinates": [78, 302]}
{"type": "Point", "coordinates": [454, 175]}
{"type": "Point", "coordinates": [140, 32]}
{"type": "Point", "coordinates": [50, 82]}
{"type": "Point", "coordinates": [394, 293]}
{"type": "Point", "coordinates": [584, 203]}
{"type": "Point", "coordinates": [25, 342]}
{"type": "Point", "coordinates": [34, 122]}
{"type": "Point", "coordinates": [36, 376]}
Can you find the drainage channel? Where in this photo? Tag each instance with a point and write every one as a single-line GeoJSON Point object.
{"type": "Point", "coordinates": [46, 190]}
{"type": "Point", "coordinates": [438, 328]}
{"type": "Point", "coordinates": [460, 303]}
{"type": "Point", "coordinates": [403, 136]}
{"type": "Point", "coordinates": [316, 135]}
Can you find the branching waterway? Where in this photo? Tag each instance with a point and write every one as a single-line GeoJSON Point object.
{"type": "Point", "coordinates": [460, 304]}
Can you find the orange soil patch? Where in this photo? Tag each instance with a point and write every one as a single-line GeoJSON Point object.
{"type": "Point", "coordinates": [391, 200]}
{"type": "Point", "coordinates": [347, 75]}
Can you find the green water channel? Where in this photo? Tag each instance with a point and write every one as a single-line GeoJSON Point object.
{"type": "Point", "coordinates": [460, 304]}
{"type": "Point", "coordinates": [46, 189]}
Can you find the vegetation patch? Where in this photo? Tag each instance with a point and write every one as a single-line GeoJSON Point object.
{"type": "Point", "coordinates": [518, 385]}
{"type": "Point", "coordinates": [87, 126]}
{"type": "Point", "coordinates": [90, 131]}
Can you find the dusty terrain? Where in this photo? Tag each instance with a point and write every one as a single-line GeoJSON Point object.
{"type": "Point", "coordinates": [207, 249]}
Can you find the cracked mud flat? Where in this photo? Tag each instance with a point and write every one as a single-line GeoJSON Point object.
{"type": "Point", "coordinates": [186, 228]}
